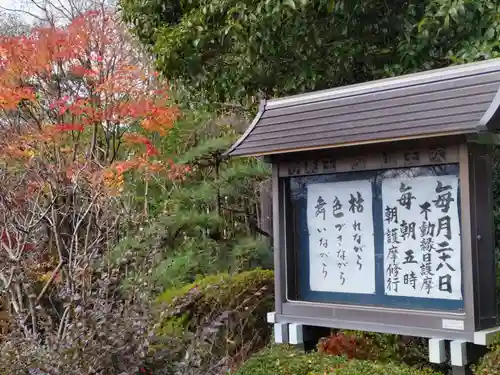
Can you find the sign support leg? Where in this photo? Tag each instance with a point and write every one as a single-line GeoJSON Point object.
{"type": "Point", "coordinates": [461, 370]}
{"type": "Point", "coordinates": [306, 337]}
{"type": "Point", "coordinates": [463, 354]}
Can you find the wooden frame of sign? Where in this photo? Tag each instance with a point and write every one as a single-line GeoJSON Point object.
{"type": "Point", "coordinates": [417, 311]}
{"type": "Point", "coordinates": [383, 208]}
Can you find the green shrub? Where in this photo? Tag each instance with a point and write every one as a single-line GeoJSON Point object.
{"type": "Point", "coordinates": [489, 364]}
{"type": "Point", "coordinates": [285, 360]}
{"type": "Point", "coordinates": [249, 252]}
{"type": "Point", "coordinates": [386, 347]}
{"type": "Point", "coordinates": [192, 257]}
{"type": "Point", "coordinates": [221, 289]}
{"type": "Point", "coordinates": [216, 321]}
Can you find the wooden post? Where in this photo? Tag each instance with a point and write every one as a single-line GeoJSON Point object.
{"type": "Point", "coordinates": [266, 207]}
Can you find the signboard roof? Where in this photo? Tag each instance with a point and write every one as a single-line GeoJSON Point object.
{"type": "Point", "coordinates": [462, 99]}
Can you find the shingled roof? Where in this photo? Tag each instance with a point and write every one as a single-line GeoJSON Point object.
{"type": "Point", "coordinates": [461, 99]}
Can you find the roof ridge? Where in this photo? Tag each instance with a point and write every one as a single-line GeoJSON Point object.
{"type": "Point", "coordinates": [422, 77]}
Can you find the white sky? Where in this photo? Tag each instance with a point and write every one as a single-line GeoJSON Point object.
{"type": "Point", "coordinates": [18, 5]}
{"type": "Point", "coordinates": [28, 6]}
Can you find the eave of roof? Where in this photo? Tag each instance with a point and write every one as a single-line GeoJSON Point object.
{"type": "Point", "coordinates": [487, 108]}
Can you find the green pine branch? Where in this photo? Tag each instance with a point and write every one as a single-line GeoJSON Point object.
{"type": "Point", "coordinates": [209, 150]}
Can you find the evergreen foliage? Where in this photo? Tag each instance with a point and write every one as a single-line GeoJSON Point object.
{"type": "Point", "coordinates": [235, 51]}
{"type": "Point", "coordinates": [285, 360]}
{"type": "Point", "coordinates": [207, 223]}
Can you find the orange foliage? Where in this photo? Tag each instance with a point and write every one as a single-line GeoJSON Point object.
{"type": "Point", "coordinates": [72, 95]}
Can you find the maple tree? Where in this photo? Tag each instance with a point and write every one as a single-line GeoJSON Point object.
{"type": "Point", "coordinates": [81, 87]}
{"type": "Point", "coordinates": [79, 108]}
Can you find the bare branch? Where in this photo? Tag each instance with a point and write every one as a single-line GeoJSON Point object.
{"type": "Point", "coordinates": [48, 283]}
{"type": "Point", "coordinates": [22, 11]}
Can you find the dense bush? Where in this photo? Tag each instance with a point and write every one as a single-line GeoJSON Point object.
{"type": "Point", "coordinates": [376, 346]}
{"type": "Point", "coordinates": [490, 363]}
{"type": "Point", "coordinates": [211, 325]}
{"type": "Point", "coordinates": [102, 338]}
{"type": "Point", "coordinates": [284, 360]}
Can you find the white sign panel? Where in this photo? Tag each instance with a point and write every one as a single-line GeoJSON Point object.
{"type": "Point", "coordinates": [341, 242]}
{"type": "Point", "coordinates": [422, 245]}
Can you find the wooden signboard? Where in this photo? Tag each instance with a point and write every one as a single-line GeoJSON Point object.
{"type": "Point", "coordinates": [382, 206]}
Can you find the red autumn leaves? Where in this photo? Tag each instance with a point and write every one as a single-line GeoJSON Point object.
{"type": "Point", "coordinates": [79, 87]}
